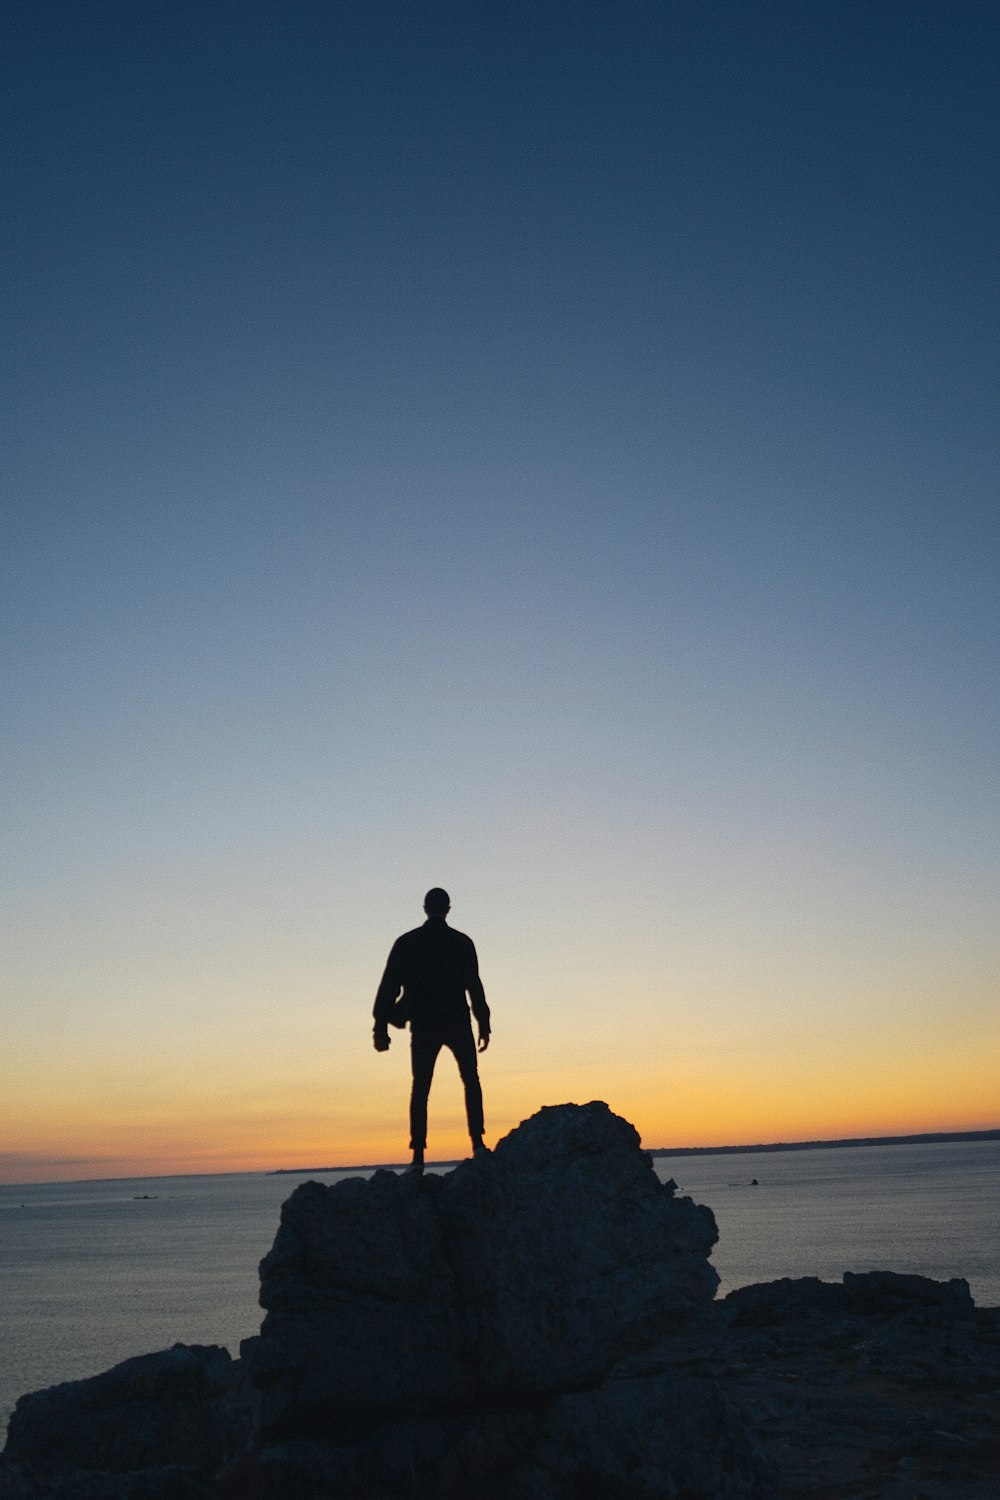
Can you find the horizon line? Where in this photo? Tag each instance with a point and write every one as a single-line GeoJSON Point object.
{"type": "Point", "coordinates": [928, 1137]}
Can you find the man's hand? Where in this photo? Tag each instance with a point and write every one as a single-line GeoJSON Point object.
{"type": "Point", "coordinates": [380, 1038]}
{"type": "Point", "coordinates": [484, 1039]}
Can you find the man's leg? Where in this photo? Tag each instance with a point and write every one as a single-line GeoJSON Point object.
{"type": "Point", "coordinates": [463, 1047]}
{"type": "Point", "coordinates": [424, 1047]}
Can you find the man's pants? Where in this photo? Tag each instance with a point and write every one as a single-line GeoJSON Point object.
{"type": "Point", "coordinates": [426, 1042]}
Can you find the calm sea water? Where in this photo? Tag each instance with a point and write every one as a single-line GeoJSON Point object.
{"type": "Point", "coordinates": [93, 1272]}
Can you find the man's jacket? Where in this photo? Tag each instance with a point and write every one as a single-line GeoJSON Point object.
{"type": "Point", "coordinates": [433, 967]}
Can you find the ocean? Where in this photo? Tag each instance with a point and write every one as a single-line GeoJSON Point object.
{"type": "Point", "coordinates": [94, 1272]}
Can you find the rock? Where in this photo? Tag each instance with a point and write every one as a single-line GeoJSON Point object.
{"type": "Point", "coordinates": [653, 1438]}
{"type": "Point", "coordinates": [363, 1319]}
{"type": "Point", "coordinates": [630, 1439]}
{"type": "Point", "coordinates": [769, 1302]}
{"type": "Point", "coordinates": [883, 1386]}
{"type": "Point", "coordinates": [569, 1253]}
{"type": "Point", "coordinates": [515, 1278]}
{"type": "Point", "coordinates": [538, 1325]}
{"type": "Point", "coordinates": [170, 1483]}
{"type": "Point", "coordinates": [886, 1292]}
{"type": "Point", "coordinates": [455, 1456]}
{"type": "Point", "coordinates": [180, 1409]}
{"type": "Point", "coordinates": [871, 1293]}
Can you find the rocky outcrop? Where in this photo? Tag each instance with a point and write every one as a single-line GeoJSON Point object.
{"type": "Point", "coordinates": [515, 1278]}
{"type": "Point", "coordinates": [647, 1436]}
{"type": "Point", "coordinates": [155, 1427]}
{"type": "Point", "coordinates": [883, 1386]}
{"type": "Point", "coordinates": [535, 1325]}
{"type": "Point", "coordinates": [424, 1334]}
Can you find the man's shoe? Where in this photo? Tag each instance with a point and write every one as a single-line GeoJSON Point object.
{"type": "Point", "coordinates": [416, 1167]}
{"type": "Point", "coordinates": [480, 1148]}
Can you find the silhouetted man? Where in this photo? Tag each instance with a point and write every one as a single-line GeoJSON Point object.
{"type": "Point", "coordinates": [435, 967]}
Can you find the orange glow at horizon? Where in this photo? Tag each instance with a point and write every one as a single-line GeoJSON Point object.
{"type": "Point", "coordinates": [221, 1096]}
{"type": "Point", "coordinates": [317, 1133]}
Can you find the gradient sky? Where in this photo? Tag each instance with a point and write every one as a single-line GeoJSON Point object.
{"type": "Point", "coordinates": [543, 449]}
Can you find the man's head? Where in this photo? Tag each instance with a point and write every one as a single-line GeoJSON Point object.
{"type": "Point", "coordinates": [437, 902]}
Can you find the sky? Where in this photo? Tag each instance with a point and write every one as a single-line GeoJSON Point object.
{"type": "Point", "coordinates": [543, 449]}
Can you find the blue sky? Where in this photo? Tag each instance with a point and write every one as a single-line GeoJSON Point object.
{"type": "Point", "coordinates": [546, 450]}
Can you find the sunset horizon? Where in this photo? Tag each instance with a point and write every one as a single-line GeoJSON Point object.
{"type": "Point", "coordinates": [292, 1161]}
{"type": "Point", "coordinates": [547, 453]}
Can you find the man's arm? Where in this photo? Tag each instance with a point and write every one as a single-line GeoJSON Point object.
{"type": "Point", "coordinates": [385, 999]}
{"type": "Point", "coordinates": [477, 995]}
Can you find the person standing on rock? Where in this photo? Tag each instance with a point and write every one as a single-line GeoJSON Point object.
{"type": "Point", "coordinates": [430, 972]}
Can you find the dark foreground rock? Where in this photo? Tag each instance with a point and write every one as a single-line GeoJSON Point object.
{"type": "Point", "coordinates": [513, 1279]}
{"type": "Point", "coordinates": [882, 1387]}
{"type": "Point", "coordinates": [535, 1325]}
{"type": "Point", "coordinates": [156, 1427]}
{"type": "Point", "coordinates": [452, 1335]}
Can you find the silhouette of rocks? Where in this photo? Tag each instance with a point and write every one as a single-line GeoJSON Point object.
{"type": "Point", "coordinates": [156, 1426]}
{"type": "Point", "coordinates": [423, 1330]}
{"type": "Point", "coordinates": [646, 1437]}
{"type": "Point", "coordinates": [171, 1483]}
{"type": "Point", "coordinates": [538, 1325]}
{"type": "Point", "coordinates": [885, 1387]}
{"type": "Point", "coordinates": [516, 1277]}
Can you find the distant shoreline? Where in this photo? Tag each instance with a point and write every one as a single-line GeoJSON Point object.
{"type": "Point", "coordinates": [928, 1138]}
